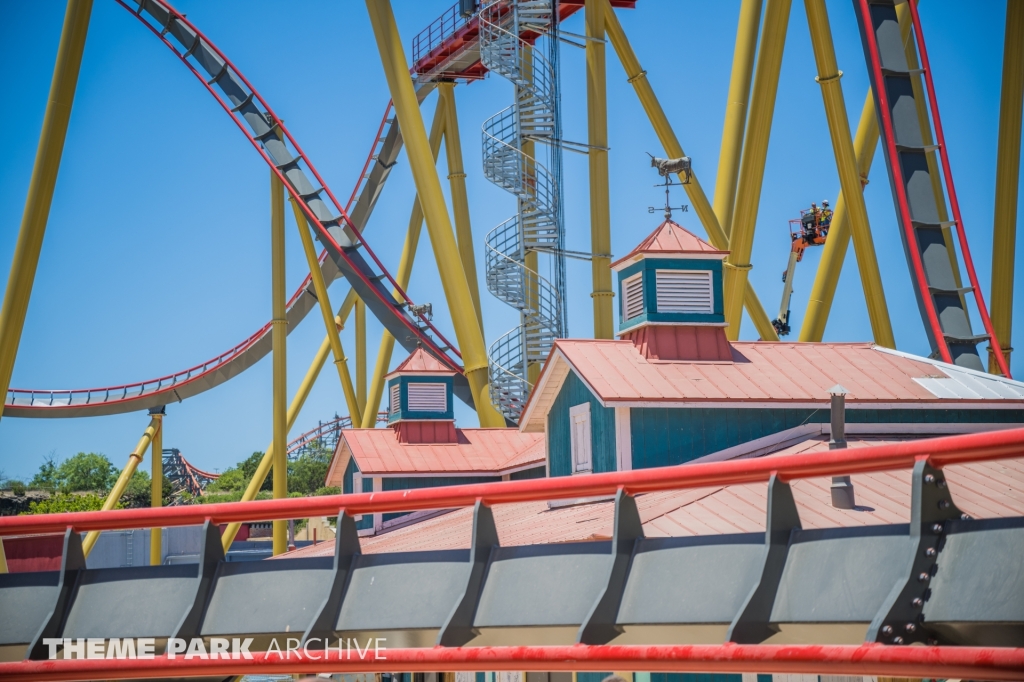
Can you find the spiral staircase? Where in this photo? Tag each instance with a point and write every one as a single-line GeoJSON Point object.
{"type": "Point", "coordinates": [535, 227]}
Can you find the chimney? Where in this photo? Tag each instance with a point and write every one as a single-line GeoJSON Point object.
{"type": "Point", "coordinates": [842, 487]}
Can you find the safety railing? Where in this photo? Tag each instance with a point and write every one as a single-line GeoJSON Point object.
{"type": "Point", "coordinates": [326, 433]}
{"type": "Point", "coordinates": [438, 33]}
{"type": "Point", "coordinates": [923, 661]}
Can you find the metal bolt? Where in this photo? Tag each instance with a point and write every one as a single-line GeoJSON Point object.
{"type": "Point", "coordinates": [930, 551]}
{"type": "Point", "coordinates": [924, 577]}
{"type": "Point", "coordinates": [932, 641]}
{"type": "Point", "coordinates": [943, 504]}
{"type": "Point", "coordinates": [897, 640]}
{"type": "Point", "coordinates": [936, 528]}
{"type": "Point", "coordinates": [928, 478]}
{"type": "Point", "coordinates": [965, 517]}
{"type": "Point", "coordinates": [942, 483]}
{"type": "Point", "coordinates": [911, 627]}
{"type": "Point", "coordinates": [917, 602]}
{"type": "Point", "coordinates": [887, 630]}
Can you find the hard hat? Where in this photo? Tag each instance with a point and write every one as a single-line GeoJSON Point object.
{"type": "Point", "coordinates": [824, 202]}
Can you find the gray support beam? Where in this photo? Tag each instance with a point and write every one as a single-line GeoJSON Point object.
{"type": "Point", "coordinates": [458, 629]}
{"type": "Point", "coordinates": [751, 624]}
{"type": "Point", "coordinates": [72, 563]}
{"type": "Point", "coordinates": [600, 626]}
{"type": "Point", "coordinates": [346, 549]}
{"type": "Point", "coordinates": [899, 621]}
{"type": "Point", "coordinates": [210, 559]}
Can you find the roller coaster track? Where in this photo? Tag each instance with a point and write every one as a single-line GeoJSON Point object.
{"type": "Point", "coordinates": [325, 435]}
{"type": "Point", "coordinates": [183, 476]}
{"type": "Point", "coordinates": [910, 139]}
{"type": "Point", "coordinates": [337, 228]}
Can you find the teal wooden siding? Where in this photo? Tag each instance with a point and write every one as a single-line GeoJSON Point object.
{"type": "Point", "coordinates": [665, 436]}
{"type": "Point", "coordinates": [602, 429]}
{"type": "Point", "coordinates": [525, 474]}
{"type": "Point", "coordinates": [414, 482]}
{"type": "Point", "coordinates": [346, 487]}
{"type": "Point", "coordinates": [649, 268]}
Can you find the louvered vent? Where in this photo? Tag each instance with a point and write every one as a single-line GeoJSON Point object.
{"type": "Point", "coordinates": [685, 291]}
{"type": "Point", "coordinates": [428, 397]}
{"type": "Point", "coordinates": [632, 296]}
{"type": "Point", "coordinates": [396, 399]}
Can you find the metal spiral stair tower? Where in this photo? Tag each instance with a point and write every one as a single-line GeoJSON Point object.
{"type": "Point", "coordinates": [535, 227]}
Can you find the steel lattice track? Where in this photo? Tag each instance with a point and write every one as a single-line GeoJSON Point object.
{"type": "Point", "coordinates": [535, 225]}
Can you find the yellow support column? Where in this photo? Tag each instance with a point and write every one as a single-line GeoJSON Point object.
{"type": "Point", "coordinates": [114, 496]}
{"type": "Point", "coordinates": [701, 206]}
{"type": "Point", "coordinates": [279, 332]}
{"type": "Point", "coordinates": [428, 186]}
{"type": "Point", "coordinates": [156, 490]}
{"type": "Point", "coordinates": [360, 357]}
{"type": "Point", "coordinates": [256, 482]}
{"type": "Point", "coordinates": [40, 188]}
{"type": "Point", "coordinates": [1004, 231]}
{"type": "Point", "coordinates": [736, 111]}
{"type": "Point", "coordinates": [457, 183]}
{"type": "Point", "coordinates": [755, 151]}
{"type": "Point", "coordinates": [849, 176]}
{"type": "Point", "coordinates": [3, 558]}
{"type": "Point", "coordinates": [597, 158]}
{"type": "Point", "coordinates": [324, 302]}
{"type": "Point", "coordinates": [833, 254]}
{"type": "Point", "coordinates": [405, 263]}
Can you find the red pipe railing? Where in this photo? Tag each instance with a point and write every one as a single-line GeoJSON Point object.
{"type": "Point", "coordinates": [939, 452]}
{"type": "Point", "coordinates": [864, 660]}
{"type": "Point", "coordinates": [954, 204]}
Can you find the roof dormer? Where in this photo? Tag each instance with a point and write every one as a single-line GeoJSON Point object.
{"type": "Point", "coordinates": [670, 296]}
{"type": "Point", "coordinates": [420, 392]}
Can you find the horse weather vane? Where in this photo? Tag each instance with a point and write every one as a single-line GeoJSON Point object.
{"type": "Point", "coordinates": [666, 167]}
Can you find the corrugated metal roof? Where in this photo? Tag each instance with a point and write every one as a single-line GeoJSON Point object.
{"type": "Point", "coordinates": [983, 490]}
{"type": "Point", "coordinates": [478, 451]}
{"type": "Point", "coordinates": [762, 372]}
{"type": "Point", "coordinates": [421, 361]}
{"type": "Point", "coordinates": [671, 238]}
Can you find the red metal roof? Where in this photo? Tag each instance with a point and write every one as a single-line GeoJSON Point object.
{"type": "Point", "coordinates": [478, 451]}
{"type": "Point", "coordinates": [668, 238]}
{"type": "Point", "coordinates": [421, 362]}
{"type": "Point", "coordinates": [764, 372]}
{"type": "Point", "coordinates": [983, 490]}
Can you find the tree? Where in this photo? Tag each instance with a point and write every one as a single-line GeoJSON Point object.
{"type": "Point", "coordinates": [46, 478]}
{"type": "Point", "coordinates": [86, 471]}
{"type": "Point", "coordinates": [308, 472]}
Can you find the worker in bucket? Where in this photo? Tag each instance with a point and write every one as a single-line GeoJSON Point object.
{"type": "Point", "coordinates": [809, 220]}
{"type": "Point", "coordinates": [824, 218]}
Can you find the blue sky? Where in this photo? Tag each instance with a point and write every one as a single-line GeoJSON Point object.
{"type": "Point", "coordinates": [157, 252]}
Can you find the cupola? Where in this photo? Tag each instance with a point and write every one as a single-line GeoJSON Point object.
{"type": "Point", "coordinates": [420, 406]}
{"type": "Point", "coordinates": [670, 296]}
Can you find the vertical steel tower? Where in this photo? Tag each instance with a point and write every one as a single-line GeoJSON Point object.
{"type": "Point", "coordinates": [509, 162]}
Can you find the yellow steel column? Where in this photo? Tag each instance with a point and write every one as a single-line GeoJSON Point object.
{"type": "Point", "coordinates": [360, 357]}
{"type": "Point", "coordinates": [279, 332]}
{"type": "Point", "coordinates": [701, 206]}
{"type": "Point", "coordinates": [597, 158]}
{"type": "Point", "coordinates": [457, 183]}
{"type": "Point", "coordinates": [256, 482]}
{"type": "Point", "coordinates": [156, 490]}
{"type": "Point", "coordinates": [122, 481]}
{"type": "Point", "coordinates": [40, 188]}
{"type": "Point", "coordinates": [412, 240]}
{"type": "Point", "coordinates": [736, 111]}
{"type": "Point", "coordinates": [849, 177]}
{"type": "Point", "coordinates": [834, 252]}
{"type": "Point", "coordinates": [1004, 231]}
{"type": "Point", "coordinates": [755, 151]}
{"type": "Point", "coordinates": [428, 186]}
{"type": "Point", "coordinates": [324, 301]}
{"type": "Point", "coordinates": [3, 558]}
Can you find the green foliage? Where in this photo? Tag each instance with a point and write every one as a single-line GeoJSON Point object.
{"type": "Point", "coordinates": [86, 471]}
{"type": "Point", "coordinates": [18, 488]}
{"type": "Point", "coordinates": [223, 496]}
{"type": "Point", "coordinates": [308, 473]}
{"type": "Point", "coordinates": [65, 502]}
{"type": "Point", "coordinates": [237, 477]}
{"type": "Point", "coordinates": [139, 492]}
{"type": "Point", "coordinates": [46, 479]}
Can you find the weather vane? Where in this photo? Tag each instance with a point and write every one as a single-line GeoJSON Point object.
{"type": "Point", "coordinates": [665, 168]}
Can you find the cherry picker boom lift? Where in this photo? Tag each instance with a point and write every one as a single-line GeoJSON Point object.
{"type": "Point", "coordinates": [810, 229]}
